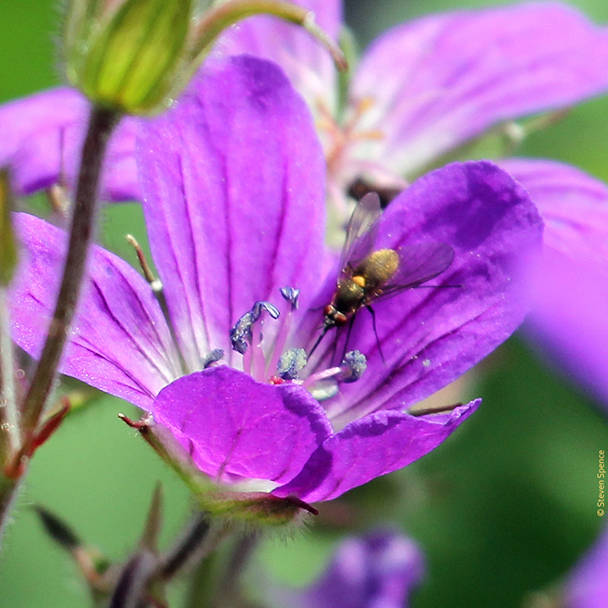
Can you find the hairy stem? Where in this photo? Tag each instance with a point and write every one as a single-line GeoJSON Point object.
{"type": "Point", "coordinates": [9, 489]}
{"type": "Point", "coordinates": [101, 123]}
{"type": "Point", "coordinates": [9, 414]}
{"type": "Point", "coordinates": [229, 590]}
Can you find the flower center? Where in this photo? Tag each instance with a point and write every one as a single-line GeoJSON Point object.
{"type": "Point", "coordinates": [273, 362]}
{"type": "Point", "coordinates": [340, 136]}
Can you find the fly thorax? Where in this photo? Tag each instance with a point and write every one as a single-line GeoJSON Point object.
{"type": "Point", "coordinates": [350, 294]}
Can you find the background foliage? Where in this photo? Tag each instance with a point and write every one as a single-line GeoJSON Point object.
{"type": "Point", "coordinates": [502, 509]}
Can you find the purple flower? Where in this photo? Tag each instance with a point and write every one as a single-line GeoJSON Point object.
{"type": "Point", "coordinates": [587, 585]}
{"type": "Point", "coordinates": [424, 88]}
{"type": "Point", "coordinates": [569, 319]}
{"type": "Point", "coordinates": [420, 91]}
{"type": "Point", "coordinates": [377, 570]}
{"type": "Point", "coordinates": [233, 188]}
{"type": "Point", "coordinates": [41, 140]}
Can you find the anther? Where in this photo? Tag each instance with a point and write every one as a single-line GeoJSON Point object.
{"type": "Point", "coordinates": [58, 199]}
{"type": "Point", "coordinates": [324, 390]}
{"type": "Point", "coordinates": [271, 309]}
{"type": "Point", "coordinates": [291, 295]}
{"type": "Point", "coordinates": [291, 362]}
{"type": "Point", "coordinates": [213, 357]}
{"type": "Point", "coordinates": [241, 335]}
{"type": "Point", "coordinates": [353, 366]}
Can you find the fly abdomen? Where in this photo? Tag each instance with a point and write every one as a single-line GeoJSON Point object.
{"type": "Point", "coordinates": [377, 269]}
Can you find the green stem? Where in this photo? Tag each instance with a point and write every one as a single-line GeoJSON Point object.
{"type": "Point", "coordinates": [222, 15]}
{"type": "Point", "coordinates": [229, 590]}
{"type": "Point", "coordinates": [101, 123]}
{"type": "Point", "coordinates": [9, 414]}
{"type": "Point", "coordinates": [9, 489]}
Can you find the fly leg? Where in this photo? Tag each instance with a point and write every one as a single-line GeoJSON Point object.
{"type": "Point", "coordinates": [351, 322]}
{"type": "Point", "coordinates": [373, 313]}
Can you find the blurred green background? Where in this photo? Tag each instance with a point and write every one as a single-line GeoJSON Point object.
{"type": "Point", "coordinates": [502, 509]}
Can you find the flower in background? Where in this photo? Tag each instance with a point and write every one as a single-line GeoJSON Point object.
{"type": "Point", "coordinates": [569, 318]}
{"type": "Point", "coordinates": [233, 184]}
{"type": "Point", "coordinates": [425, 88]}
{"type": "Point", "coordinates": [41, 138]}
{"type": "Point", "coordinates": [587, 585]}
{"type": "Point", "coordinates": [421, 91]}
{"type": "Point", "coordinates": [378, 569]}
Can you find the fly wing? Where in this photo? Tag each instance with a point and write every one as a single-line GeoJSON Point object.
{"type": "Point", "coordinates": [419, 264]}
{"type": "Point", "coordinates": [361, 230]}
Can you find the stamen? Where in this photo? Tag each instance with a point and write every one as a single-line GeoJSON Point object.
{"type": "Point", "coordinates": [352, 368]}
{"type": "Point", "coordinates": [354, 364]}
{"type": "Point", "coordinates": [242, 337]}
{"type": "Point", "coordinates": [240, 334]}
{"type": "Point", "coordinates": [291, 362]}
{"type": "Point", "coordinates": [271, 309]}
{"type": "Point", "coordinates": [291, 295]}
{"type": "Point", "coordinates": [157, 289]}
{"type": "Point", "coordinates": [58, 199]}
{"type": "Point", "coordinates": [213, 357]}
{"type": "Point", "coordinates": [155, 283]}
{"type": "Point", "coordinates": [325, 390]}
{"type": "Point", "coordinates": [438, 409]}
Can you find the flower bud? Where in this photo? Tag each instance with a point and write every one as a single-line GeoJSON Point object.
{"type": "Point", "coordinates": [127, 55]}
{"type": "Point", "coordinates": [133, 55]}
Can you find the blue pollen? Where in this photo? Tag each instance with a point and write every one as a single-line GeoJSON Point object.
{"type": "Point", "coordinates": [240, 334]}
{"type": "Point", "coordinates": [291, 362]}
{"type": "Point", "coordinates": [354, 364]}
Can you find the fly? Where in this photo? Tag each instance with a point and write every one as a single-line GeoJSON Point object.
{"type": "Point", "coordinates": [368, 275]}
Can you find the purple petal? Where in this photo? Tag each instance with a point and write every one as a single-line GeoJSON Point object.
{"type": "Point", "coordinates": [40, 141]}
{"type": "Point", "coordinates": [369, 447]}
{"type": "Point", "coordinates": [429, 336]}
{"type": "Point", "coordinates": [377, 570]}
{"type": "Point", "coordinates": [234, 427]}
{"type": "Point", "coordinates": [234, 198]}
{"type": "Point", "coordinates": [588, 585]}
{"type": "Point", "coordinates": [443, 79]}
{"type": "Point", "coordinates": [119, 340]}
{"type": "Point", "coordinates": [307, 64]}
{"type": "Point", "coordinates": [570, 315]}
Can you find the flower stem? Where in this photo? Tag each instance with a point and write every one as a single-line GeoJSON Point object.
{"type": "Point", "coordinates": [10, 436]}
{"type": "Point", "coordinates": [9, 489]}
{"type": "Point", "coordinates": [101, 123]}
{"type": "Point", "coordinates": [9, 414]}
{"type": "Point", "coordinates": [228, 593]}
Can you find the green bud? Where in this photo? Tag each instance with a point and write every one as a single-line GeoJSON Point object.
{"type": "Point", "coordinates": [127, 55]}
{"type": "Point", "coordinates": [256, 509]}
{"type": "Point", "coordinates": [8, 245]}
{"type": "Point", "coordinates": [133, 55]}
{"type": "Point", "coordinates": [58, 529]}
